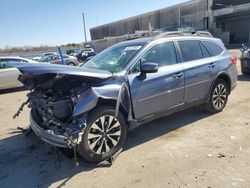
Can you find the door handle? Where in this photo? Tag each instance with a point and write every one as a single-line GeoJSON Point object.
{"type": "Point", "coordinates": [178, 75]}
{"type": "Point", "coordinates": [211, 65]}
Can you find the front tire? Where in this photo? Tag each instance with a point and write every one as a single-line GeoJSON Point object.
{"type": "Point", "coordinates": [218, 97]}
{"type": "Point", "coordinates": [103, 136]}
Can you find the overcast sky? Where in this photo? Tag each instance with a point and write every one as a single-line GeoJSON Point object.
{"type": "Point", "coordinates": [35, 22]}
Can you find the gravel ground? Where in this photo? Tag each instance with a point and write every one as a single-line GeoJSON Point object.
{"type": "Point", "coordinates": [188, 149]}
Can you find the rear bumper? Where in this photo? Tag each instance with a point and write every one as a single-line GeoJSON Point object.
{"type": "Point", "coordinates": [48, 135]}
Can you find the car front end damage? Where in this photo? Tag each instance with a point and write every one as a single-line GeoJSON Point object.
{"type": "Point", "coordinates": [52, 121]}
{"type": "Point", "coordinates": [61, 100]}
{"type": "Point", "coordinates": [52, 109]}
{"type": "Point", "coordinates": [49, 136]}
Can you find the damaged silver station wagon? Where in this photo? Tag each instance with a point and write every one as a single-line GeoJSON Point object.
{"type": "Point", "coordinates": [92, 107]}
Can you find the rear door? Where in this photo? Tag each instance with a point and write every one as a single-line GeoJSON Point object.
{"type": "Point", "coordinates": [198, 69]}
{"type": "Point", "coordinates": [161, 90]}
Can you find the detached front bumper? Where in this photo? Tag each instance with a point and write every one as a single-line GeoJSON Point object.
{"type": "Point", "coordinates": [48, 135]}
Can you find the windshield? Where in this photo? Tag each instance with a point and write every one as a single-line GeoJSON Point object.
{"type": "Point", "coordinates": [113, 59]}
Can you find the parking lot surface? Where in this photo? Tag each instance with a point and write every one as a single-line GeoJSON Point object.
{"type": "Point", "coordinates": [188, 149]}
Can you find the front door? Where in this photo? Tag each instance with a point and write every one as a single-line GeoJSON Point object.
{"type": "Point", "coordinates": [158, 91]}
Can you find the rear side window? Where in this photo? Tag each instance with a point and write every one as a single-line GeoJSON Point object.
{"type": "Point", "coordinates": [213, 48]}
{"type": "Point", "coordinates": [190, 50]}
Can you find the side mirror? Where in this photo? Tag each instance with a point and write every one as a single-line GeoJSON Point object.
{"type": "Point", "coordinates": [149, 67]}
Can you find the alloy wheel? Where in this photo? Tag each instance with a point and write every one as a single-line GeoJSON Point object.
{"type": "Point", "coordinates": [104, 134]}
{"type": "Point", "coordinates": [219, 96]}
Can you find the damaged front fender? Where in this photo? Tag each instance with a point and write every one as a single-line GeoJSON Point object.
{"type": "Point", "coordinates": [89, 99]}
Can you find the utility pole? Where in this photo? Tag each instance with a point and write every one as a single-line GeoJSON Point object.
{"type": "Point", "coordinates": [179, 16]}
{"type": "Point", "coordinates": [84, 27]}
{"type": "Point", "coordinates": [210, 15]}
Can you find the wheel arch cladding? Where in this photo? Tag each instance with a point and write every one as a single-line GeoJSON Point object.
{"type": "Point", "coordinates": [111, 102]}
{"type": "Point", "coordinates": [227, 79]}
{"type": "Point", "coordinates": [223, 76]}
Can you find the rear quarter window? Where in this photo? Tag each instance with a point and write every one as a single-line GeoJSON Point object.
{"type": "Point", "coordinates": [213, 48]}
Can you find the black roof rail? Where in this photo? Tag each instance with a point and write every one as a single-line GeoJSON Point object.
{"type": "Point", "coordinates": [169, 34]}
{"type": "Point", "coordinates": [203, 34]}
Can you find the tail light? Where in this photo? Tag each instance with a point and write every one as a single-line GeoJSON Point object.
{"type": "Point", "coordinates": [233, 60]}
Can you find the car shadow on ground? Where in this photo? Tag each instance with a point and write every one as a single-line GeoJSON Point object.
{"type": "Point", "coordinates": [164, 126]}
{"type": "Point", "coordinates": [11, 90]}
{"type": "Point", "coordinates": [26, 161]}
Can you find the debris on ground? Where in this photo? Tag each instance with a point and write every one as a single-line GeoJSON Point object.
{"type": "Point", "coordinates": [220, 155]}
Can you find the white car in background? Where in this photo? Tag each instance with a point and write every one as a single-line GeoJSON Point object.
{"type": "Point", "coordinates": [8, 75]}
{"type": "Point", "coordinates": [36, 58]}
{"type": "Point", "coordinates": [44, 55]}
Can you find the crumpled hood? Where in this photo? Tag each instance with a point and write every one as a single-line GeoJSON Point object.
{"type": "Point", "coordinates": [44, 68]}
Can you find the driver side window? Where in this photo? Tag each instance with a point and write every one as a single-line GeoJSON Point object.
{"type": "Point", "coordinates": [163, 54]}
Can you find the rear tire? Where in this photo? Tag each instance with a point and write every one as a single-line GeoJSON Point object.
{"type": "Point", "coordinates": [218, 96]}
{"type": "Point", "coordinates": [103, 136]}
{"type": "Point", "coordinates": [71, 64]}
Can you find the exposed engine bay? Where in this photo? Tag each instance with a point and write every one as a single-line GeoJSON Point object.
{"type": "Point", "coordinates": [52, 100]}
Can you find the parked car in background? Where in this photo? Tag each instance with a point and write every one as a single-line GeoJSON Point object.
{"type": "Point", "coordinates": [8, 74]}
{"type": "Point", "coordinates": [36, 58]}
{"type": "Point", "coordinates": [49, 54]}
{"type": "Point", "coordinates": [73, 52]}
{"type": "Point", "coordinates": [44, 55]}
{"type": "Point", "coordinates": [92, 107]}
{"type": "Point", "coordinates": [245, 60]}
{"type": "Point", "coordinates": [86, 54]}
{"type": "Point", "coordinates": [56, 59]}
